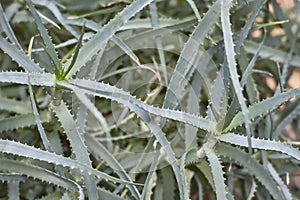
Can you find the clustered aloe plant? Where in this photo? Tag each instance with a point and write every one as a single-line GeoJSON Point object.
{"type": "Point", "coordinates": [112, 100]}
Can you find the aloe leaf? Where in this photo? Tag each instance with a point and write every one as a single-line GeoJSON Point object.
{"type": "Point", "coordinates": [263, 107]}
{"type": "Point", "coordinates": [193, 106]}
{"type": "Point", "coordinates": [120, 71]}
{"type": "Point", "coordinates": [92, 108]}
{"type": "Point", "coordinates": [41, 174]}
{"type": "Point", "coordinates": [284, 73]}
{"type": "Point", "coordinates": [45, 18]}
{"type": "Point", "coordinates": [40, 79]}
{"type": "Point", "coordinates": [15, 106]}
{"type": "Point", "coordinates": [12, 9]}
{"type": "Point", "coordinates": [101, 11]}
{"type": "Point", "coordinates": [118, 41]}
{"type": "Point", "coordinates": [16, 148]}
{"type": "Point", "coordinates": [250, 88]}
{"type": "Point", "coordinates": [277, 178]}
{"type": "Point", "coordinates": [13, 188]}
{"type": "Point", "coordinates": [38, 121]}
{"type": "Point", "coordinates": [216, 97]}
{"type": "Point", "coordinates": [19, 56]}
{"type": "Point", "coordinates": [217, 172]}
{"type": "Point", "coordinates": [220, 103]}
{"type": "Point", "coordinates": [271, 145]}
{"type": "Point", "coordinates": [90, 49]}
{"type": "Point", "coordinates": [252, 165]}
{"type": "Point", "coordinates": [146, 23]}
{"type": "Point", "coordinates": [195, 9]}
{"type": "Point", "coordinates": [74, 58]}
{"type": "Point", "coordinates": [184, 68]}
{"type": "Point", "coordinates": [250, 66]}
{"type": "Point", "coordinates": [137, 41]}
{"type": "Point", "coordinates": [205, 169]}
{"type": "Point", "coordinates": [161, 138]}
{"type": "Point", "coordinates": [4, 23]}
{"type": "Point", "coordinates": [169, 183]}
{"type": "Point", "coordinates": [230, 56]}
{"type": "Point", "coordinates": [56, 12]}
{"type": "Point", "coordinates": [119, 95]}
{"type": "Point", "coordinates": [252, 190]}
{"type": "Point", "coordinates": [12, 177]}
{"type": "Point", "coordinates": [69, 42]}
{"type": "Point", "coordinates": [271, 53]}
{"type": "Point", "coordinates": [21, 121]}
{"type": "Point", "coordinates": [101, 151]}
{"type": "Point", "coordinates": [78, 146]}
{"type": "Point", "coordinates": [48, 43]}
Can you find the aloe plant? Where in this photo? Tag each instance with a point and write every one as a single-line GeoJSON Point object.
{"type": "Point", "coordinates": [128, 100]}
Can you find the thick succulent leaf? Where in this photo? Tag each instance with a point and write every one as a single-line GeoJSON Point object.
{"type": "Point", "coordinates": [193, 107]}
{"type": "Point", "coordinates": [195, 9]}
{"type": "Point", "coordinates": [48, 43]}
{"type": "Point", "coordinates": [241, 140]}
{"type": "Point", "coordinates": [19, 56]}
{"type": "Point", "coordinates": [15, 106]}
{"type": "Point", "coordinates": [13, 188]}
{"type": "Point", "coordinates": [16, 148]}
{"type": "Point", "coordinates": [23, 120]}
{"type": "Point", "coordinates": [101, 151]}
{"type": "Point", "coordinates": [271, 53]}
{"type": "Point", "coordinates": [137, 41]}
{"type": "Point", "coordinates": [146, 23]}
{"type": "Point", "coordinates": [90, 49]}
{"type": "Point", "coordinates": [12, 177]}
{"type": "Point", "coordinates": [277, 178]}
{"type": "Point", "coordinates": [77, 144]}
{"type": "Point", "coordinates": [50, 5]}
{"type": "Point", "coordinates": [38, 120]}
{"type": "Point", "coordinates": [263, 107]}
{"type": "Point", "coordinates": [66, 43]}
{"type": "Point", "coordinates": [251, 64]}
{"type": "Point", "coordinates": [184, 67]}
{"type": "Point", "coordinates": [40, 79]}
{"type": "Point", "coordinates": [217, 172]}
{"type": "Point", "coordinates": [119, 95]}
{"type": "Point", "coordinates": [252, 190]}
{"type": "Point", "coordinates": [161, 138]}
{"type": "Point", "coordinates": [253, 166]}
{"type": "Point", "coordinates": [41, 174]}
{"type": "Point", "coordinates": [98, 115]}
{"type": "Point", "coordinates": [4, 23]}
{"type": "Point", "coordinates": [205, 169]}
{"type": "Point", "coordinates": [118, 41]}
{"type": "Point", "coordinates": [169, 183]}
{"type": "Point", "coordinates": [125, 98]}
{"type": "Point", "coordinates": [230, 56]}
